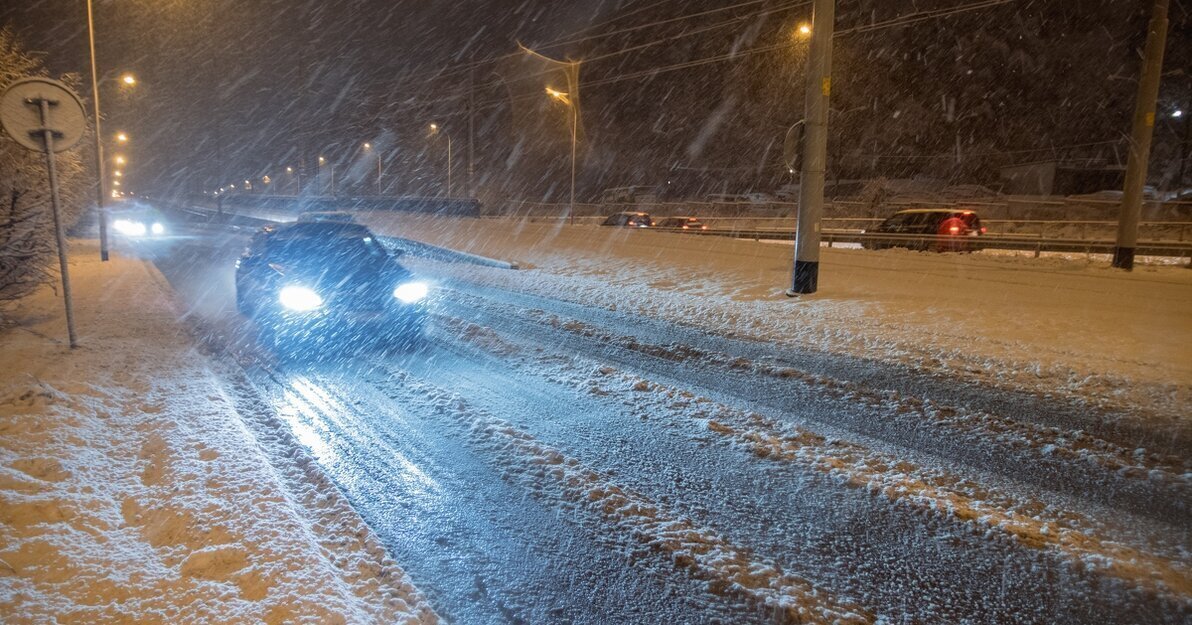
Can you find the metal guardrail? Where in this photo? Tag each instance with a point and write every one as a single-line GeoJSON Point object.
{"type": "Point", "coordinates": [1177, 249]}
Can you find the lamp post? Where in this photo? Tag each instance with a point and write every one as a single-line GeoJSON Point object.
{"type": "Point", "coordinates": [566, 99]}
{"type": "Point", "coordinates": [323, 161]}
{"type": "Point", "coordinates": [434, 130]}
{"type": "Point", "coordinates": [368, 148]}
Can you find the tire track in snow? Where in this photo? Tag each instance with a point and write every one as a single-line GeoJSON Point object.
{"type": "Point", "coordinates": [931, 491]}
{"type": "Point", "coordinates": [1052, 458]}
{"type": "Point", "coordinates": [565, 482]}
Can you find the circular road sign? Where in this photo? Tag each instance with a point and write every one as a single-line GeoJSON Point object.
{"type": "Point", "coordinates": [20, 113]}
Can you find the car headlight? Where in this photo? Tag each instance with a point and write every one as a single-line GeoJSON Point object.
{"type": "Point", "coordinates": [129, 228]}
{"type": "Point", "coordinates": [157, 228]}
{"type": "Point", "coordinates": [299, 298]}
{"type": "Point", "coordinates": [410, 292]}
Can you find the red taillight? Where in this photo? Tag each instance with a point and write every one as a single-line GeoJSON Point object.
{"type": "Point", "coordinates": [684, 227]}
{"type": "Point", "coordinates": [703, 227]}
{"type": "Point", "coordinates": [982, 229]}
{"type": "Point", "coordinates": [954, 229]}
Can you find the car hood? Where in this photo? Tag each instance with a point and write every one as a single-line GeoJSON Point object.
{"type": "Point", "coordinates": [334, 277]}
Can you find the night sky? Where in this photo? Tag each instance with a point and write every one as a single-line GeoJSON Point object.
{"type": "Point", "coordinates": [237, 89]}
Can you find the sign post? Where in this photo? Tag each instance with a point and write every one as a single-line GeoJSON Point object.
{"type": "Point", "coordinates": [44, 115]}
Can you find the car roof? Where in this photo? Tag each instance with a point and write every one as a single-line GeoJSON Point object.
{"type": "Point", "coordinates": [314, 228]}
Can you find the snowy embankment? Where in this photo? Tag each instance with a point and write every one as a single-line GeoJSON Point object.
{"type": "Point", "coordinates": [1065, 326]}
{"type": "Point", "coordinates": [131, 489]}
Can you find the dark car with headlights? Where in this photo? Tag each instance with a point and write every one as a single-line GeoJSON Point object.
{"type": "Point", "coordinates": [138, 222]}
{"type": "Point", "coordinates": [328, 283]}
{"type": "Point", "coordinates": [629, 220]}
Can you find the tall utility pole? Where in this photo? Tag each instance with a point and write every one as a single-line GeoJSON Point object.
{"type": "Point", "coordinates": [805, 276]}
{"type": "Point", "coordinates": [1140, 138]}
{"type": "Point", "coordinates": [470, 190]}
{"type": "Point", "coordinates": [99, 196]}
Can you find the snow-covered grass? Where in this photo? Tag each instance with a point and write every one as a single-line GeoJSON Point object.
{"type": "Point", "coordinates": [131, 490]}
{"type": "Point", "coordinates": [1053, 325]}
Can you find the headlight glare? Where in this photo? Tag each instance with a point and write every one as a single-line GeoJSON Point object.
{"type": "Point", "coordinates": [299, 298]}
{"type": "Point", "coordinates": [410, 292]}
{"type": "Point", "coordinates": [129, 228]}
{"type": "Point", "coordinates": [157, 228]}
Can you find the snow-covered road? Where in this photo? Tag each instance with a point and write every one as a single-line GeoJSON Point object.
{"type": "Point", "coordinates": [543, 461]}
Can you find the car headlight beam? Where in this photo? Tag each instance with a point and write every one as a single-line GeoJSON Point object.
{"type": "Point", "coordinates": [130, 228]}
{"type": "Point", "coordinates": [410, 292]}
{"type": "Point", "coordinates": [299, 298]}
{"type": "Point", "coordinates": [157, 228]}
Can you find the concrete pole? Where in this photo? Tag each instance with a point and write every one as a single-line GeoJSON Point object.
{"type": "Point", "coordinates": [449, 159]}
{"type": "Point", "coordinates": [574, 132]}
{"type": "Point", "coordinates": [100, 197]}
{"type": "Point", "coordinates": [805, 276]}
{"type": "Point", "coordinates": [1140, 138]}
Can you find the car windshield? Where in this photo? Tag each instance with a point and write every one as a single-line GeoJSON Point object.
{"type": "Point", "coordinates": [336, 247]}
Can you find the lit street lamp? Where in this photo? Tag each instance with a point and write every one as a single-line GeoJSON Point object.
{"type": "Point", "coordinates": [128, 80]}
{"type": "Point", "coordinates": [122, 137]}
{"type": "Point", "coordinates": [434, 130]}
{"type": "Point", "coordinates": [566, 99]}
{"type": "Point", "coordinates": [323, 161]}
{"type": "Point", "coordinates": [368, 148]}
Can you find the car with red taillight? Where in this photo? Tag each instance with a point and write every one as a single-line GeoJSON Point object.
{"type": "Point", "coordinates": [682, 223]}
{"type": "Point", "coordinates": [934, 229]}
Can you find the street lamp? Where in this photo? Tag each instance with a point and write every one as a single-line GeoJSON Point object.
{"type": "Point", "coordinates": [802, 31]}
{"type": "Point", "coordinates": [368, 148]}
{"type": "Point", "coordinates": [122, 137]}
{"type": "Point", "coordinates": [120, 160]}
{"type": "Point", "coordinates": [434, 130]}
{"type": "Point", "coordinates": [323, 161]}
{"type": "Point", "coordinates": [566, 99]}
{"type": "Point", "coordinates": [128, 80]}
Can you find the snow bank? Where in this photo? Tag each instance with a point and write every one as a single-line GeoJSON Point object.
{"type": "Point", "coordinates": [131, 490]}
{"type": "Point", "coordinates": [1051, 325]}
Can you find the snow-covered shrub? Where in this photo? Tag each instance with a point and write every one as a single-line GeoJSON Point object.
{"type": "Point", "coordinates": [27, 249]}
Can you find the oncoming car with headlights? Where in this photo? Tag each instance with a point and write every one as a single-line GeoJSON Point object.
{"type": "Point", "coordinates": [328, 283]}
{"type": "Point", "coordinates": [140, 222]}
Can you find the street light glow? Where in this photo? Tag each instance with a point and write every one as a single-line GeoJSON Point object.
{"type": "Point", "coordinates": [1177, 113]}
{"type": "Point", "coordinates": [558, 95]}
{"type": "Point", "coordinates": [434, 128]}
{"type": "Point", "coordinates": [803, 30]}
{"type": "Point", "coordinates": [122, 137]}
{"type": "Point", "coordinates": [289, 170]}
{"type": "Point", "coordinates": [322, 160]}
{"type": "Point", "coordinates": [120, 160]}
{"type": "Point", "coordinates": [128, 79]}
{"type": "Point", "coordinates": [118, 173]}
{"type": "Point", "coordinates": [367, 146]}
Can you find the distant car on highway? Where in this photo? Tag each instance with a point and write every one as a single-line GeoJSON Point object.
{"type": "Point", "coordinates": [953, 229]}
{"type": "Point", "coordinates": [328, 283]}
{"type": "Point", "coordinates": [139, 222]}
{"type": "Point", "coordinates": [323, 216]}
{"type": "Point", "coordinates": [682, 223]}
{"type": "Point", "coordinates": [629, 220]}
